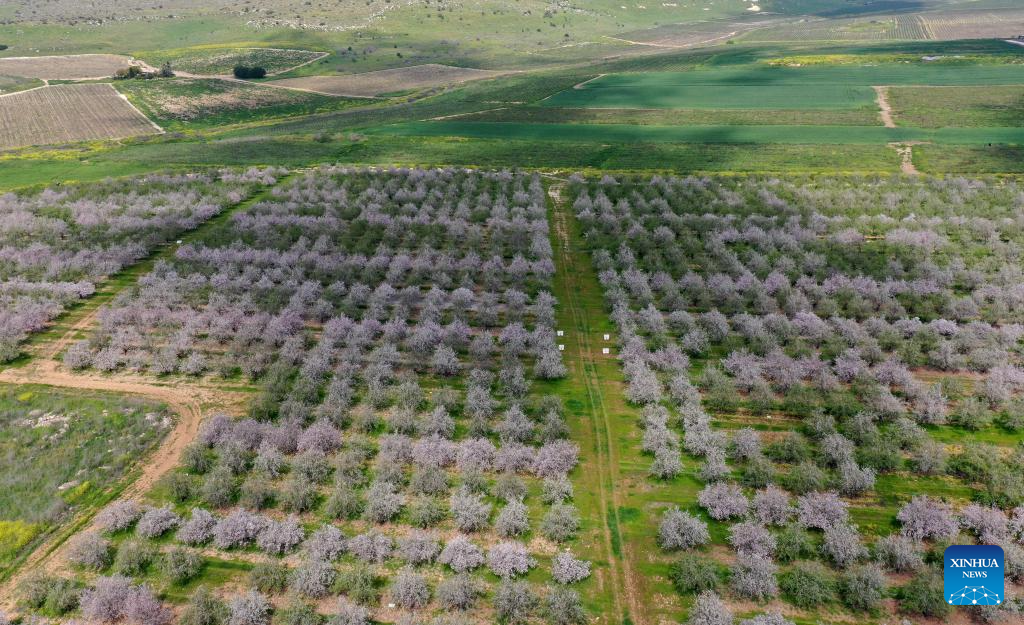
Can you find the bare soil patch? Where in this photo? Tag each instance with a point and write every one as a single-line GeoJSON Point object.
{"type": "Point", "coordinates": [371, 84]}
{"type": "Point", "coordinates": [67, 113]}
{"type": "Point", "coordinates": [884, 108]}
{"type": "Point", "coordinates": [71, 67]}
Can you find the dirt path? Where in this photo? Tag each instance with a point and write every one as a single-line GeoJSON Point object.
{"type": "Point", "coordinates": [682, 46]}
{"type": "Point", "coordinates": [906, 152]}
{"type": "Point", "coordinates": [582, 361]}
{"type": "Point", "coordinates": [582, 84]}
{"type": "Point", "coordinates": [187, 401]}
{"type": "Point", "coordinates": [884, 108]}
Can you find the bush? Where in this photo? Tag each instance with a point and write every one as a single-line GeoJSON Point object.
{"type": "Point", "coordinates": [561, 522]}
{"type": "Point", "coordinates": [249, 72]}
{"type": "Point", "coordinates": [359, 584]}
{"type": "Point", "coordinates": [563, 607]}
{"type": "Point", "coordinates": [203, 609]}
{"type": "Point", "coordinates": [514, 603]}
{"type": "Point", "coordinates": [862, 587]}
{"type": "Point", "coordinates": [269, 577]}
{"type": "Point", "coordinates": [298, 612]}
{"type": "Point", "coordinates": [180, 565]}
{"type": "Point", "coordinates": [133, 557]}
{"type": "Point", "coordinates": [693, 573]}
{"type": "Point", "coordinates": [793, 543]}
{"type": "Point", "coordinates": [924, 595]}
{"type": "Point", "coordinates": [54, 594]}
{"type": "Point", "coordinates": [807, 585]}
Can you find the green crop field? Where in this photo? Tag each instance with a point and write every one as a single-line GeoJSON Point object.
{"type": "Point", "coordinates": [769, 87]}
{"type": "Point", "coordinates": [609, 133]}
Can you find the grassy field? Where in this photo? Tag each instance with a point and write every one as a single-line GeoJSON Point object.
{"type": "Point", "coordinates": [62, 452]}
{"type": "Point", "coordinates": [781, 134]}
{"type": "Point", "coordinates": [10, 84]}
{"type": "Point", "coordinates": [210, 103]}
{"type": "Point", "coordinates": [938, 107]}
{"type": "Point", "coordinates": [213, 60]}
{"type": "Point", "coordinates": [770, 87]}
{"type": "Point", "coordinates": [864, 116]}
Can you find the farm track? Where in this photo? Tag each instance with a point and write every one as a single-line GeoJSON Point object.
{"type": "Point", "coordinates": [581, 360]}
{"type": "Point", "coordinates": [884, 108]}
{"type": "Point", "coordinates": [188, 400]}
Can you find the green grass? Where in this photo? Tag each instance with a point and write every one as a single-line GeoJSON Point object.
{"type": "Point", "coordinates": [750, 134]}
{"type": "Point", "coordinates": [864, 116]}
{"type": "Point", "coordinates": [768, 87]}
{"type": "Point", "coordinates": [938, 107]}
{"type": "Point", "coordinates": [188, 104]}
{"type": "Point", "coordinates": [714, 96]}
{"type": "Point", "coordinates": [10, 84]}
{"type": "Point", "coordinates": [969, 159]}
{"type": "Point", "coordinates": [211, 60]}
{"type": "Point", "coordinates": [63, 452]}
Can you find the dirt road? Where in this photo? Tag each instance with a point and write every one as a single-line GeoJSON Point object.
{"type": "Point", "coordinates": [884, 108]}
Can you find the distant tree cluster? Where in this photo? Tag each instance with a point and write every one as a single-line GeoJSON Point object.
{"type": "Point", "coordinates": [248, 72]}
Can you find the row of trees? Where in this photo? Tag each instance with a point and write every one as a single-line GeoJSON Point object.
{"type": "Point", "coordinates": [790, 305]}
{"type": "Point", "coordinates": [55, 244]}
{"type": "Point", "coordinates": [396, 323]}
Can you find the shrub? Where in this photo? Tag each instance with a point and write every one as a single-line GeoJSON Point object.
{"type": "Point", "coordinates": [562, 606]}
{"type": "Point", "coordinates": [753, 578]}
{"type": "Point", "coordinates": [898, 553]}
{"type": "Point", "coordinates": [461, 555]}
{"type": "Point", "coordinates": [269, 577]}
{"type": "Point", "coordinates": [359, 584]}
{"type": "Point", "coordinates": [862, 587]}
{"type": "Point", "coordinates": [118, 516]}
{"type": "Point", "coordinates": [460, 592]}
{"type": "Point", "coordinates": [560, 522]}
{"type": "Point", "coordinates": [509, 559]}
{"type": "Point", "coordinates": [566, 569]}
{"type": "Point", "coordinates": [327, 543]}
{"type": "Point", "coordinates": [133, 557]}
{"type": "Point", "coordinates": [156, 521]}
{"type": "Point", "coordinates": [409, 590]}
{"type": "Point", "coordinates": [246, 72]}
{"type": "Point", "coordinates": [807, 585]}
{"type": "Point", "coordinates": [312, 579]}
{"type": "Point", "coordinates": [180, 565]}
{"type": "Point", "coordinates": [349, 613]}
{"type": "Point", "coordinates": [693, 573]}
{"type": "Point", "coordinates": [203, 609]}
{"type": "Point", "coordinates": [793, 543]}
{"type": "Point", "coordinates": [514, 603]}
{"type": "Point", "coordinates": [924, 595]}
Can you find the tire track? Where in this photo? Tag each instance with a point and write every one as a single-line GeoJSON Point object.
{"type": "Point", "coordinates": [623, 582]}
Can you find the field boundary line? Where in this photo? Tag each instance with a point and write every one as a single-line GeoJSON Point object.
{"type": "Point", "coordinates": [580, 85]}
{"type": "Point", "coordinates": [152, 123]}
{"type": "Point", "coordinates": [42, 86]}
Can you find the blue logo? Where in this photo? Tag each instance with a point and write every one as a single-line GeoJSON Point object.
{"type": "Point", "coordinates": [973, 575]}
